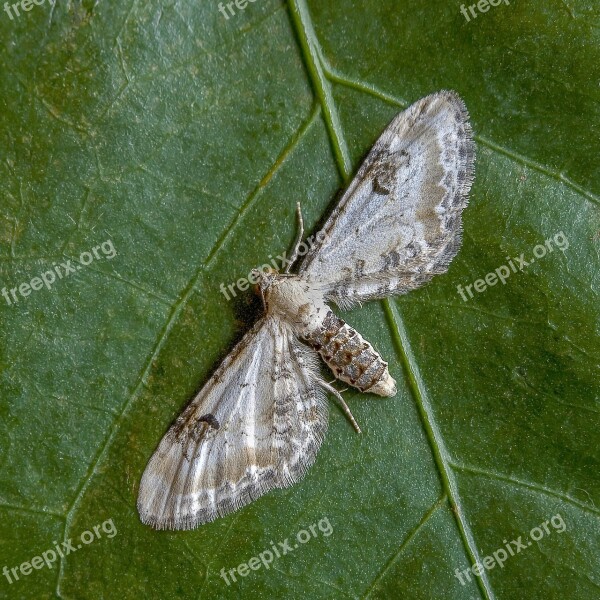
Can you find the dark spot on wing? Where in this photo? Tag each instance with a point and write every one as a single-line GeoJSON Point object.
{"type": "Point", "coordinates": [380, 189]}
{"type": "Point", "coordinates": [210, 420]}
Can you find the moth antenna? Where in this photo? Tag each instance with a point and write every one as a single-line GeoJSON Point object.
{"type": "Point", "coordinates": [343, 404]}
{"type": "Point", "coordinates": [299, 237]}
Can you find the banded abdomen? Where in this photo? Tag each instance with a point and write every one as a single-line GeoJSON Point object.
{"type": "Point", "coordinates": [350, 356]}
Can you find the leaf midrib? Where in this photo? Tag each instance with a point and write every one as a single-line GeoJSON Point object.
{"type": "Point", "coordinates": [311, 53]}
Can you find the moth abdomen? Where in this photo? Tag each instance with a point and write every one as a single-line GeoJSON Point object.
{"type": "Point", "coordinates": [351, 358]}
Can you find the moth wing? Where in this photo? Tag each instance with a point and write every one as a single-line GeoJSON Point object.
{"type": "Point", "coordinates": [256, 425]}
{"type": "Point", "coordinates": [399, 222]}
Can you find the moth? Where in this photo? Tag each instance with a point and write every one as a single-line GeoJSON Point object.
{"type": "Point", "coordinates": [259, 421]}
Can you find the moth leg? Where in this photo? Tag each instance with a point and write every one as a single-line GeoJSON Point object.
{"type": "Point", "coordinates": [340, 391]}
{"type": "Point", "coordinates": [345, 407]}
{"type": "Point", "coordinates": [299, 237]}
{"type": "Point", "coordinates": [262, 298]}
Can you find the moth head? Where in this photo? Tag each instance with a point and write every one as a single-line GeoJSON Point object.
{"type": "Point", "coordinates": [264, 278]}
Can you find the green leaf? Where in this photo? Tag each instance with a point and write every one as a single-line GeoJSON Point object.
{"type": "Point", "coordinates": [185, 138]}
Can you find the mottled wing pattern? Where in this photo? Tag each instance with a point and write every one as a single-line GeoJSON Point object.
{"type": "Point", "coordinates": [399, 222]}
{"type": "Point", "coordinates": [256, 425]}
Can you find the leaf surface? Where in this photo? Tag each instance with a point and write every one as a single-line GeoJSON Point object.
{"type": "Point", "coordinates": [186, 139]}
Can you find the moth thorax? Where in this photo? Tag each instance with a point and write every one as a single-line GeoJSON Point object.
{"type": "Point", "coordinates": [294, 300]}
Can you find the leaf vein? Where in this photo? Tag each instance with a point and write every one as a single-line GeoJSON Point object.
{"type": "Point", "coordinates": [411, 535]}
{"type": "Point", "coordinates": [32, 509]}
{"type": "Point", "coordinates": [313, 59]}
{"type": "Point", "coordinates": [526, 484]}
{"type": "Point", "coordinates": [368, 88]}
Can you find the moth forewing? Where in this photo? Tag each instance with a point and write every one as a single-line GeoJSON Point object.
{"type": "Point", "coordinates": [399, 222]}
{"type": "Point", "coordinates": [259, 421]}
{"type": "Point", "coordinates": [272, 417]}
